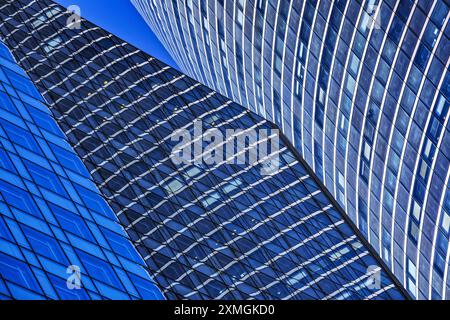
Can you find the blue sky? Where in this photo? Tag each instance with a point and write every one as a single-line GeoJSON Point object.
{"type": "Point", "coordinates": [122, 19]}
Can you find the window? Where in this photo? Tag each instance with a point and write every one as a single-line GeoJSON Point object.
{"type": "Point", "coordinates": [206, 28]}
{"type": "Point", "coordinates": [279, 46]}
{"type": "Point", "coordinates": [423, 169]}
{"type": "Point", "coordinates": [365, 170]}
{"type": "Point", "coordinates": [297, 277]}
{"type": "Point", "coordinates": [359, 44]}
{"type": "Point", "coordinates": [445, 224]}
{"type": "Point", "coordinates": [439, 263]}
{"type": "Point", "coordinates": [278, 65]}
{"type": "Point", "coordinates": [439, 13]}
{"type": "Point", "coordinates": [412, 269]}
{"type": "Point", "coordinates": [388, 201]}
{"type": "Point", "coordinates": [318, 159]}
{"type": "Point", "coordinates": [42, 18]}
{"type": "Point", "coordinates": [386, 245]}
{"type": "Point", "coordinates": [277, 107]}
{"type": "Point", "coordinates": [396, 30]}
{"type": "Point", "coordinates": [350, 84]}
{"type": "Point", "coordinates": [367, 150]}
{"type": "Point", "coordinates": [427, 148]}
{"type": "Point", "coordinates": [341, 188]}
{"type": "Point", "coordinates": [321, 96]}
{"type": "Point", "coordinates": [261, 4]}
{"type": "Point", "coordinates": [320, 115]}
{"type": "Point", "coordinates": [354, 64]}
{"type": "Point", "coordinates": [362, 213]}
{"type": "Point", "coordinates": [341, 197]}
{"type": "Point", "coordinates": [52, 12]}
{"type": "Point", "coordinates": [412, 287]}
{"type": "Point", "coordinates": [300, 71]}
{"type": "Point", "coordinates": [52, 44]}
{"type": "Point", "coordinates": [413, 231]}
{"type": "Point", "coordinates": [440, 106]}
{"type": "Point", "coordinates": [339, 254]}
{"type": "Point", "coordinates": [343, 123]}
{"type": "Point", "coordinates": [341, 179]}
{"type": "Point", "coordinates": [416, 210]}
{"type": "Point", "coordinates": [434, 129]}
{"type": "Point", "coordinates": [172, 186]}
{"type": "Point", "coordinates": [419, 190]}
{"type": "Point", "coordinates": [210, 199]}
{"type": "Point", "coordinates": [422, 56]}
{"type": "Point", "coordinates": [430, 35]}
{"type": "Point", "coordinates": [39, 21]}
{"type": "Point", "coordinates": [240, 13]}
{"type": "Point", "coordinates": [23, 84]}
{"type": "Point", "coordinates": [369, 132]}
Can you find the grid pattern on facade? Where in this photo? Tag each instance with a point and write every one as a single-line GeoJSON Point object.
{"type": "Point", "coordinates": [53, 221]}
{"type": "Point", "coordinates": [205, 231]}
{"type": "Point", "coordinates": [361, 88]}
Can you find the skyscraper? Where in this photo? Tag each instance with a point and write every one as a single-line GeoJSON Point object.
{"type": "Point", "coordinates": [361, 88]}
{"type": "Point", "coordinates": [206, 229]}
{"type": "Point", "coordinates": [58, 237]}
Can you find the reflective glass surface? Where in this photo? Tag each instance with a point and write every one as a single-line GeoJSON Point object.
{"type": "Point", "coordinates": [361, 88]}
{"type": "Point", "coordinates": [59, 239]}
{"type": "Point", "coordinates": [205, 231]}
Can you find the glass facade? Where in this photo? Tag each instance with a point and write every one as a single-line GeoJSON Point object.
{"type": "Point", "coordinates": [361, 88]}
{"type": "Point", "coordinates": [223, 231]}
{"type": "Point", "coordinates": [59, 239]}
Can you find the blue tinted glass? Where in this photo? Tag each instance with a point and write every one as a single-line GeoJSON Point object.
{"type": "Point", "coordinates": [48, 223]}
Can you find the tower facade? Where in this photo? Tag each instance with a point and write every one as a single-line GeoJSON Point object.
{"type": "Point", "coordinates": [361, 88]}
{"type": "Point", "coordinates": [206, 227]}
{"type": "Point", "coordinates": [59, 239]}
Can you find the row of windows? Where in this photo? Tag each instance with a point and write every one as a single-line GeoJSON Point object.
{"type": "Point", "coordinates": [52, 214]}
{"type": "Point", "coordinates": [177, 228]}
{"type": "Point", "coordinates": [425, 25]}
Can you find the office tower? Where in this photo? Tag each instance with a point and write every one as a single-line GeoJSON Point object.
{"type": "Point", "coordinates": [58, 237]}
{"type": "Point", "coordinates": [361, 88]}
{"type": "Point", "coordinates": [205, 229]}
